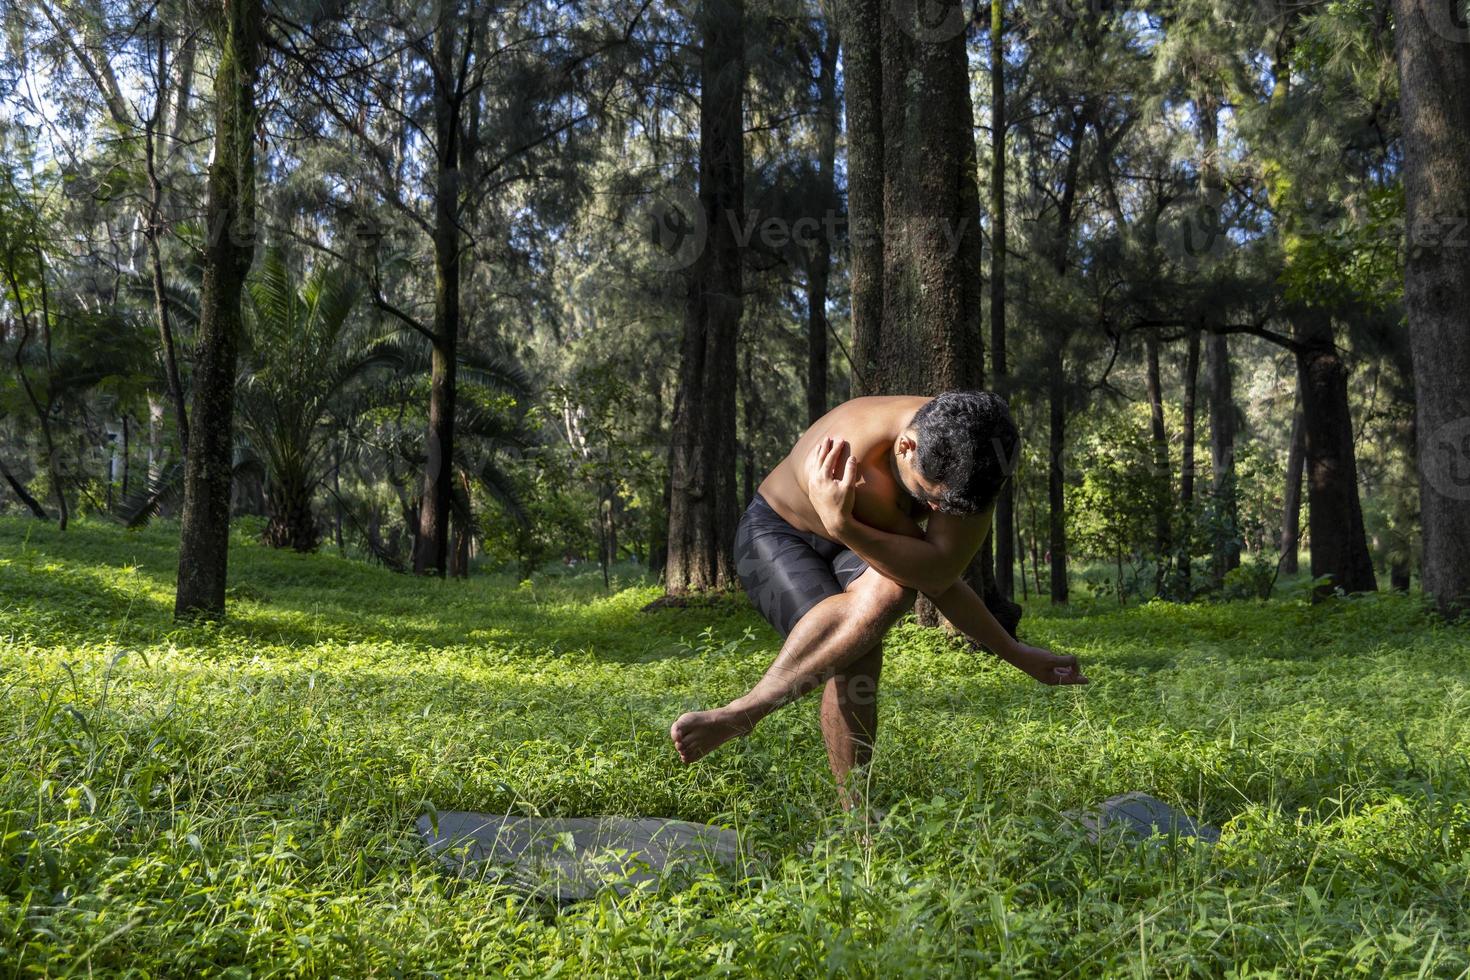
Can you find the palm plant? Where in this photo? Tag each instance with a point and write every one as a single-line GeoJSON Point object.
{"type": "Point", "coordinates": [302, 353]}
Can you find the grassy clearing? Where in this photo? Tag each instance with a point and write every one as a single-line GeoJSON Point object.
{"type": "Point", "coordinates": [176, 800]}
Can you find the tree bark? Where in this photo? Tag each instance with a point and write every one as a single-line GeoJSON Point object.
{"type": "Point", "coordinates": [1056, 484]}
{"type": "Point", "coordinates": [431, 543]}
{"type": "Point", "coordinates": [821, 258]}
{"type": "Point", "coordinates": [1056, 383]}
{"type": "Point", "coordinates": [1185, 562]}
{"type": "Point", "coordinates": [862, 40]}
{"type": "Point", "coordinates": [205, 530]}
{"type": "Point", "coordinates": [703, 508]}
{"type": "Point", "coordinates": [1005, 504]}
{"type": "Point", "coordinates": [291, 523]}
{"type": "Point", "coordinates": [1159, 440]}
{"type": "Point", "coordinates": [1222, 457]}
{"type": "Point", "coordinates": [1434, 75]}
{"type": "Point", "coordinates": [1291, 510]}
{"type": "Point", "coordinates": [913, 178]}
{"type": "Point", "coordinates": [1339, 545]}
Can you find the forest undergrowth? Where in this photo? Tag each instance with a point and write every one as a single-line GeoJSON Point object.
{"type": "Point", "coordinates": [184, 799]}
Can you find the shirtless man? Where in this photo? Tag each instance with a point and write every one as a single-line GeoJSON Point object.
{"type": "Point", "coordinates": [882, 498]}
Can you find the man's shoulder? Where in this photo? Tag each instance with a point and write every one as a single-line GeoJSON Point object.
{"type": "Point", "coordinates": [869, 403]}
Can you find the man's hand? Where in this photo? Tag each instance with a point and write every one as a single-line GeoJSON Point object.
{"type": "Point", "coordinates": [831, 482]}
{"type": "Point", "coordinates": [1045, 666]}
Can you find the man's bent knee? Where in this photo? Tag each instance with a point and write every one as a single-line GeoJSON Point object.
{"type": "Point", "coordinates": [887, 596]}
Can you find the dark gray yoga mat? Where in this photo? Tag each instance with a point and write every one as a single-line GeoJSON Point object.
{"type": "Point", "coordinates": [570, 858]}
{"type": "Point", "coordinates": [1140, 816]}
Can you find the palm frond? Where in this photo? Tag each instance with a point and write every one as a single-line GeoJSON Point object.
{"type": "Point", "coordinates": [497, 369]}
{"type": "Point", "coordinates": [138, 509]}
{"type": "Point", "coordinates": [500, 486]}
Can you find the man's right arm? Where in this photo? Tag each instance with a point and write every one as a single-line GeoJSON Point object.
{"type": "Point", "coordinates": [932, 562]}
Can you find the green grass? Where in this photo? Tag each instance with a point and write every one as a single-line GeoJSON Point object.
{"type": "Point", "coordinates": [177, 800]}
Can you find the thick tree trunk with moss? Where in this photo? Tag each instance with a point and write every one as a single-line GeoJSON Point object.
{"type": "Point", "coordinates": [1434, 77]}
{"type": "Point", "coordinates": [1339, 545]}
{"type": "Point", "coordinates": [917, 290]}
{"type": "Point", "coordinates": [703, 509]}
{"type": "Point", "coordinates": [204, 536]}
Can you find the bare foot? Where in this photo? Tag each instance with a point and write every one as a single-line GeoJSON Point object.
{"type": "Point", "coordinates": [1048, 667]}
{"type": "Point", "coordinates": [698, 733]}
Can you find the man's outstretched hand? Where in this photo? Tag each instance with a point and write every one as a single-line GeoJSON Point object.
{"type": "Point", "coordinates": [1045, 666]}
{"type": "Point", "coordinates": [831, 483]}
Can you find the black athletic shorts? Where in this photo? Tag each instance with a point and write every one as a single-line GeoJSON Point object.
{"type": "Point", "coordinates": [785, 571]}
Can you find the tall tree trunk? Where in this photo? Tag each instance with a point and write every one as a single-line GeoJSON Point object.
{"type": "Point", "coordinates": [1291, 500]}
{"type": "Point", "coordinates": [230, 210]}
{"type": "Point", "coordinates": [1222, 457]}
{"type": "Point", "coordinates": [703, 508]}
{"type": "Point", "coordinates": [1057, 479]}
{"type": "Point", "coordinates": [1185, 535]}
{"type": "Point", "coordinates": [821, 257]}
{"type": "Point", "coordinates": [1339, 544]}
{"type": "Point", "coordinates": [1005, 503]}
{"type": "Point", "coordinates": [912, 176]}
{"type": "Point", "coordinates": [1159, 441]}
{"type": "Point", "coordinates": [431, 543]}
{"type": "Point", "coordinates": [1434, 75]}
{"type": "Point", "coordinates": [862, 40]}
{"type": "Point", "coordinates": [1057, 382]}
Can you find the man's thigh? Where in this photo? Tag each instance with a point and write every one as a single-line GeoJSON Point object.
{"type": "Point", "coordinates": [784, 575]}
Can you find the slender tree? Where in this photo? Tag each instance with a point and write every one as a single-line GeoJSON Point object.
{"type": "Point", "coordinates": [820, 268]}
{"type": "Point", "coordinates": [1291, 498]}
{"type": "Point", "coordinates": [1005, 518]}
{"type": "Point", "coordinates": [1159, 441]}
{"type": "Point", "coordinates": [230, 223]}
{"type": "Point", "coordinates": [1222, 456]}
{"type": "Point", "coordinates": [449, 62]}
{"type": "Point", "coordinates": [1184, 563]}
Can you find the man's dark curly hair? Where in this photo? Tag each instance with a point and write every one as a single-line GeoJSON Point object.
{"type": "Point", "coordinates": [967, 445]}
